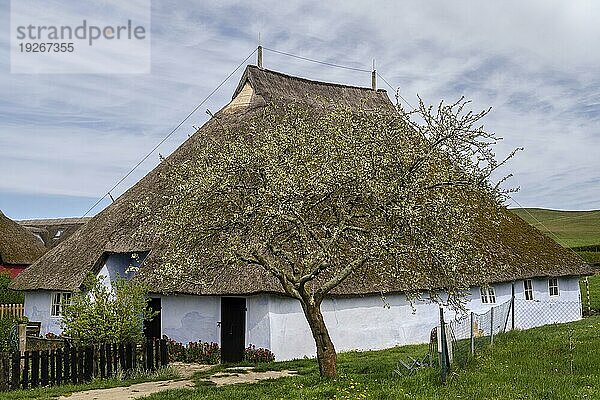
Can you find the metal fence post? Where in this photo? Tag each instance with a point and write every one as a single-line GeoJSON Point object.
{"type": "Point", "coordinates": [472, 333]}
{"type": "Point", "coordinates": [512, 308]}
{"type": "Point", "coordinates": [444, 359]}
{"type": "Point", "coordinates": [492, 325]}
{"type": "Point", "coordinates": [587, 295]}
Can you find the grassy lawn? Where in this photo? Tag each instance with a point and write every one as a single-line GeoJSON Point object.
{"type": "Point", "coordinates": [594, 282]}
{"type": "Point", "coordinates": [532, 364]}
{"type": "Point", "coordinates": [56, 391]}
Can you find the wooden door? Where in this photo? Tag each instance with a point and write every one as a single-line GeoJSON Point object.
{"type": "Point", "coordinates": [233, 329]}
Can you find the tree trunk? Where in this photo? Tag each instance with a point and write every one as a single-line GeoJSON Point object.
{"type": "Point", "coordinates": [326, 355]}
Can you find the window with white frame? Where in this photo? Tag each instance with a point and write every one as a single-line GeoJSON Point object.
{"type": "Point", "coordinates": [528, 288]}
{"type": "Point", "coordinates": [487, 295]}
{"type": "Point", "coordinates": [59, 299]}
{"type": "Point", "coordinates": [553, 286]}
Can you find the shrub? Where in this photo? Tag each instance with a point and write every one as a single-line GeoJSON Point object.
{"type": "Point", "coordinates": [8, 296]}
{"type": "Point", "coordinates": [257, 355]}
{"type": "Point", "coordinates": [6, 341]}
{"type": "Point", "coordinates": [99, 314]}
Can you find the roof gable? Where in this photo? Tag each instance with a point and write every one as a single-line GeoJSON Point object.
{"type": "Point", "coordinates": [17, 245]}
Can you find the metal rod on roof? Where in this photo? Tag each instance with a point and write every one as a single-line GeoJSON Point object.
{"type": "Point", "coordinates": [374, 77]}
{"type": "Point", "coordinates": [260, 65]}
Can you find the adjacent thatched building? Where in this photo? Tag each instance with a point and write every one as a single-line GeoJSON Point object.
{"type": "Point", "coordinates": [53, 231]}
{"type": "Point", "coordinates": [243, 306]}
{"type": "Point", "coordinates": [18, 247]}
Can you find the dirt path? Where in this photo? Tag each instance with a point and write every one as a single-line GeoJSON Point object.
{"type": "Point", "coordinates": [130, 392]}
{"type": "Point", "coordinates": [228, 377]}
{"type": "Point", "coordinates": [232, 376]}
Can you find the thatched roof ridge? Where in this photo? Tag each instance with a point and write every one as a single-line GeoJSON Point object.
{"type": "Point", "coordinates": [274, 86]}
{"type": "Point", "coordinates": [54, 221]}
{"type": "Point", "coordinates": [515, 243]}
{"type": "Point", "coordinates": [17, 245]}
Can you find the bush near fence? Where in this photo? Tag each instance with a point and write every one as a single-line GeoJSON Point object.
{"type": "Point", "coordinates": [78, 364]}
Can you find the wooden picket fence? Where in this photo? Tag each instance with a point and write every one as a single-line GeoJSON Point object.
{"type": "Point", "coordinates": [31, 369]}
{"type": "Point", "coordinates": [11, 310]}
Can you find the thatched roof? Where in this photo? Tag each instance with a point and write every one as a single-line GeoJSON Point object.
{"type": "Point", "coordinates": [17, 245]}
{"type": "Point", "coordinates": [516, 244]}
{"type": "Point", "coordinates": [53, 231]}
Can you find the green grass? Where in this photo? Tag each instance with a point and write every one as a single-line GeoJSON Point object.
{"type": "Point", "coordinates": [569, 228]}
{"type": "Point", "coordinates": [533, 364]}
{"type": "Point", "coordinates": [573, 228]}
{"type": "Point", "coordinates": [594, 283]}
{"type": "Point", "coordinates": [56, 391]}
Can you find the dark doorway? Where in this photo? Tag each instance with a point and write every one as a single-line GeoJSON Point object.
{"type": "Point", "coordinates": [152, 328]}
{"type": "Point", "coordinates": [233, 329]}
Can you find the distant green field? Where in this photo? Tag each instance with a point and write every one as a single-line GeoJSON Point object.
{"type": "Point", "coordinates": [572, 228]}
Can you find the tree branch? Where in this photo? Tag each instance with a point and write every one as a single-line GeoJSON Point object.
{"type": "Point", "coordinates": [339, 278]}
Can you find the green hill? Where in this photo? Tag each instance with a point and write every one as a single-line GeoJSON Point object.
{"type": "Point", "coordinates": [579, 230]}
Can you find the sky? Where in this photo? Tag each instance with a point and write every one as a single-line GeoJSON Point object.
{"type": "Point", "coordinates": [65, 139]}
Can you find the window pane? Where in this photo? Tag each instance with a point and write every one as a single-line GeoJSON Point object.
{"type": "Point", "coordinates": [528, 286]}
{"type": "Point", "coordinates": [484, 297]}
{"type": "Point", "coordinates": [553, 286]}
{"type": "Point", "coordinates": [492, 294]}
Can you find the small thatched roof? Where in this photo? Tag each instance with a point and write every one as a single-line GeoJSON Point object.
{"type": "Point", "coordinates": [516, 244]}
{"type": "Point", "coordinates": [17, 245]}
{"type": "Point", "coordinates": [53, 231]}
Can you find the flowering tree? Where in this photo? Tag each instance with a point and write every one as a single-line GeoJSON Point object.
{"type": "Point", "coordinates": [335, 199]}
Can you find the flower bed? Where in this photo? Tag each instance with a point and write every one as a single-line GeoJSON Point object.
{"type": "Point", "coordinates": [210, 353]}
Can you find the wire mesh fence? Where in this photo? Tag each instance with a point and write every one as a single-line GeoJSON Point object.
{"type": "Point", "coordinates": [468, 333]}
{"type": "Point", "coordinates": [471, 331]}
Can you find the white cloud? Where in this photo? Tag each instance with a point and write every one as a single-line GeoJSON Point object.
{"type": "Point", "coordinates": [532, 61]}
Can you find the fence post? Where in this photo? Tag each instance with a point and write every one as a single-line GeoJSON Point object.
{"type": "Point", "coordinates": [444, 359]}
{"type": "Point", "coordinates": [122, 357]}
{"type": "Point", "coordinates": [25, 383]}
{"type": "Point", "coordinates": [472, 333]}
{"type": "Point", "coordinates": [81, 365]}
{"type": "Point", "coordinates": [44, 370]}
{"type": "Point", "coordinates": [59, 366]}
{"type": "Point", "coordinates": [164, 353]}
{"type": "Point", "coordinates": [512, 308]}
{"type": "Point", "coordinates": [22, 331]}
{"type": "Point", "coordinates": [492, 326]}
{"type": "Point", "coordinates": [128, 357]}
{"type": "Point", "coordinates": [16, 370]}
{"type": "Point", "coordinates": [149, 356]}
{"type": "Point", "coordinates": [88, 369]}
{"type": "Point", "coordinates": [52, 355]}
{"type": "Point", "coordinates": [74, 365]}
{"type": "Point", "coordinates": [102, 361]}
{"type": "Point", "coordinates": [67, 362]}
{"type": "Point", "coordinates": [109, 369]}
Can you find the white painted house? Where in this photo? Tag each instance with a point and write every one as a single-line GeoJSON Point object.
{"type": "Point", "coordinates": [247, 306]}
